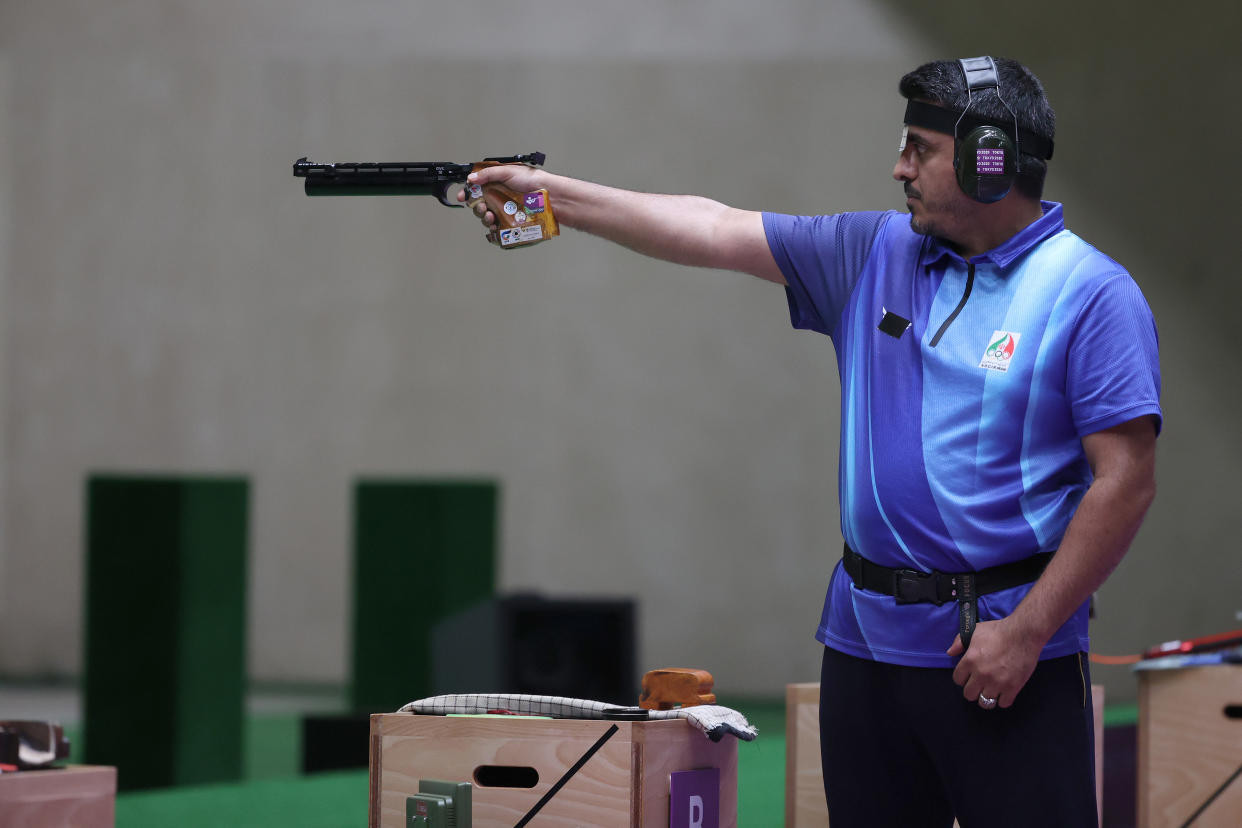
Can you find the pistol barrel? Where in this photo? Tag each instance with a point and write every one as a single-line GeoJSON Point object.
{"type": "Point", "coordinates": [380, 179]}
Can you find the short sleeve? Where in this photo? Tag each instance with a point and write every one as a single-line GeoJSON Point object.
{"type": "Point", "coordinates": [821, 258]}
{"type": "Point", "coordinates": [1113, 374]}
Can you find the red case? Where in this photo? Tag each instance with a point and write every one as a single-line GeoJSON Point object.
{"type": "Point", "coordinates": [1195, 645]}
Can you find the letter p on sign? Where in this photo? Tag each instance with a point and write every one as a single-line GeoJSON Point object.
{"type": "Point", "coordinates": [694, 799]}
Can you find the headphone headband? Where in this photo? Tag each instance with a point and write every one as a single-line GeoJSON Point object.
{"type": "Point", "coordinates": [980, 73]}
{"type": "Point", "coordinates": [940, 119]}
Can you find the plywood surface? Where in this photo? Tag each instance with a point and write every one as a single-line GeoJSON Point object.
{"type": "Point", "coordinates": [625, 782]}
{"type": "Point", "coordinates": [1188, 747]}
{"type": "Point", "coordinates": [82, 796]}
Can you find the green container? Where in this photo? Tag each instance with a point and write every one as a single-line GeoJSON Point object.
{"type": "Point", "coordinates": [165, 628]}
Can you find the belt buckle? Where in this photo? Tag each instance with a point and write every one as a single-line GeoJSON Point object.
{"type": "Point", "coordinates": [913, 587]}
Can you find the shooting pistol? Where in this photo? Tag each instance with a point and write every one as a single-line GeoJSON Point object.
{"type": "Point", "coordinates": [521, 218]}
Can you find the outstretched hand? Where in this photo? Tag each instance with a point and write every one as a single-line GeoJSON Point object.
{"type": "Point", "coordinates": [520, 178]}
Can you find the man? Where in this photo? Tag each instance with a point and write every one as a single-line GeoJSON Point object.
{"type": "Point", "coordinates": [1000, 403]}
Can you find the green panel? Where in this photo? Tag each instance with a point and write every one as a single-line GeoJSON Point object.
{"type": "Point", "coordinates": [211, 654]}
{"type": "Point", "coordinates": [131, 614]}
{"type": "Point", "coordinates": [165, 626]}
{"type": "Point", "coordinates": [422, 549]}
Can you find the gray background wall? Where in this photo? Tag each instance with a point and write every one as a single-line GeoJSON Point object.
{"type": "Point", "coordinates": [169, 301]}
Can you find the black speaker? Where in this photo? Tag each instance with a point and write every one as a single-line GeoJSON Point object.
{"type": "Point", "coordinates": [333, 742]}
{"type": "Point", "coordinates": [580, 648]}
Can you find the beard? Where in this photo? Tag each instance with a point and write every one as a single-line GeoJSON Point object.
{"type": "Point", "coordinates": [933, 215]}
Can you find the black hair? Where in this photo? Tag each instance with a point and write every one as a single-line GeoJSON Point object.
{"type": "Point", "coordinates": [943, 83]}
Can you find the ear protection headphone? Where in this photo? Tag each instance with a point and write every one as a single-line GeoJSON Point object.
{"type": "Point", "coordinates": [985, 155]}
{"type": "Point", "coordinates": [986, 159]}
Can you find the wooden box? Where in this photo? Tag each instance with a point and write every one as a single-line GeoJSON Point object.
{"type": "Point", "coordinates": [625, 782]}
{"type": "Point", "coordinates": [1189, 744]}
{"type": "Point", "coordinates": [81, 796]}
{"type": "Point", "coordinates": [805, 806]}
{"type": "Point", "coordinates": [804, 776]}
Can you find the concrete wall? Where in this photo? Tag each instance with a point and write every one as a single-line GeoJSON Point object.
{"type": "Point", "coordinates": [171, 302]}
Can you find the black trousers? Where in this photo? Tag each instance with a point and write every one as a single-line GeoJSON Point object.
{"type": "Point", "coordinates": [901, 748]}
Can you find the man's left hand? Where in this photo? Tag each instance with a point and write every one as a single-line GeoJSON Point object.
{"type": "Point", "coordinates": [997, 665]}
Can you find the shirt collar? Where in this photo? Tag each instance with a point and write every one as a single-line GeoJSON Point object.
{"type": "Point", "coordinates": [1050, 223]}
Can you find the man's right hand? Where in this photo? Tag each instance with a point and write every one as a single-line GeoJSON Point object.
{"type": "Point", "coordinates": [517, 177]}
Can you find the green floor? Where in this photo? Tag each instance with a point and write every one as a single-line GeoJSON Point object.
{"type": "Point", "coordinates": [274, 792]}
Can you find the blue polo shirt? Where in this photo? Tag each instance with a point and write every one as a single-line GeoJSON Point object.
{"type": "Point", "coordinates": [966, 389]}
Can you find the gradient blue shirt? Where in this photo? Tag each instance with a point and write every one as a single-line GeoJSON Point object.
{"type": "Point", "coordinates": [966, 389]}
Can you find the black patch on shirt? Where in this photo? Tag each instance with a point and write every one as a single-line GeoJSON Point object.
{"type": "Point", "coordinates": [893, 325]}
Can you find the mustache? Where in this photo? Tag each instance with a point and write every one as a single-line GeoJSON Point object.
{"type": "Point", "coordinates": [911, 192]}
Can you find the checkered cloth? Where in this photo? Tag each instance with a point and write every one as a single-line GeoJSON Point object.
{"type": "Point", "coordinates": [715, 721]}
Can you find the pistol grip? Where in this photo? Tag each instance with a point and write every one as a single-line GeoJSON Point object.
{"type": "Point", "coordinates": [522, 219]}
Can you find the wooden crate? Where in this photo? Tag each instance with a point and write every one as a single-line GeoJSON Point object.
{"type": "Point", "coordinates": [1189, 743]}
{"type": "Point", "coordinates": [625, 782]}
{"type": "Point", "coordinates": [804, 776]}
{"type": "Point", "coordinates": [80, 796]}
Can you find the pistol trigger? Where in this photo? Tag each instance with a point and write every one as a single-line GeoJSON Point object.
{"type": "Point", "coordinates": [442, 194]}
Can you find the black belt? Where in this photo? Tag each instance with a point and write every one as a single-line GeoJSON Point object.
{"type": "Point", "coordinates": [911, 586]}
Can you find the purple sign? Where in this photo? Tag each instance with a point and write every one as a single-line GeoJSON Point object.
{"type": "Point", "coordinates": [534, 202]}
{"type": "Point", "coordinates": [990, 161]}
{"type": "Point", "coordinates": [694, 799]}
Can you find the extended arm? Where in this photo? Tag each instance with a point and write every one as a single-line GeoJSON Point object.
{"type": "Point", "coordinates": [1003, 653]}
{"type": "Point", "coordinates": [687, 230]}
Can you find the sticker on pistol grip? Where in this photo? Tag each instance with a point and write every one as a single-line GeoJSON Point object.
{"type": "Point", "coordinates": [521, 235]}
{"type": "Point", "coordinates": [534, 202]}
